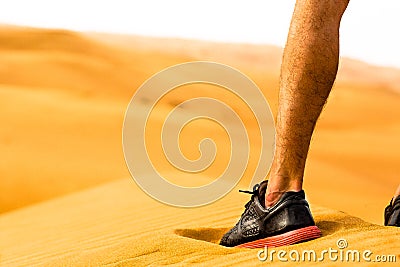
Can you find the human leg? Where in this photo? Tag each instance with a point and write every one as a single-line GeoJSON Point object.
{"type": "Point", "coordinates": [308, 72]}
{"type": "Point", "coordinates": [278, 213]}
{"type": "Point", "coordinates": [397, 193]}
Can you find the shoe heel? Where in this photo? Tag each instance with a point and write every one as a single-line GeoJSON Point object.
{"type": "Point", "coordinates": [294, 216]}
{"type": "Point", "coordinates": [299, 216]}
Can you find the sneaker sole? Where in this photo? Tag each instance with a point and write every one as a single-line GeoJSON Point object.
{"type": "Point", "coordinates": [289, 238]}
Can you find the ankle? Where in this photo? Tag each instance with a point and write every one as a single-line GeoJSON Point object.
{"type": "Point", "coordinates": [279, 185]}
{"type": "Point", "coordinates": [397, 193]}
{"type": "Point", "coordinates": [272, 198]}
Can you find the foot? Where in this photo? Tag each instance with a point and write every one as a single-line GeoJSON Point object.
{"type": "Point", "coordinates": [287, 222]}
{"type": "Point", "coordinates": [392, 213]}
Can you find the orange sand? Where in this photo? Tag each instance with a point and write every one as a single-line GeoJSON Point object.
{"type": "Point", "coordinates": [63, 96]}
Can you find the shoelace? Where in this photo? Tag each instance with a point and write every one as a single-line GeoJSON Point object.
{"type": "Point", "coordinates": [255, 190]}
{"type": "Point", "coordinates": [253, 193]}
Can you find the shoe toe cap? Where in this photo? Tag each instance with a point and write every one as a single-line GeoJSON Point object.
{"type": "Point", "coordinates": [229, 239]}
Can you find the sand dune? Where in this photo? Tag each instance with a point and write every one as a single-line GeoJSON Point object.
{"type": "Point", "coordinates": [117, 225]}
{"type": "Point", "coordinates": [63, 96]}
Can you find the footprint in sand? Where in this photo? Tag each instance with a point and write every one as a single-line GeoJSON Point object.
{"type": "Point", "coordinates": [212, 235]}
{"type": "Point", "coordinates": [329, 227]}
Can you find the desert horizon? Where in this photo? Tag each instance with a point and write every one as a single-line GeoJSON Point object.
{"type": "Point", "coordinates": [67, 197]}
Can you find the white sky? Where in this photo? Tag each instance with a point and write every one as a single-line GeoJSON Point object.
{"type": "Point", "coordinates": [369, 28]}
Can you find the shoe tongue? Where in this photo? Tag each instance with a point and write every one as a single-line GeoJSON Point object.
{"type": "Point", "coordinates": [261, 192]}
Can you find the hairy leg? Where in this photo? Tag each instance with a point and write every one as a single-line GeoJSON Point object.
{"type": "Point", "coordinates": [308, 71]}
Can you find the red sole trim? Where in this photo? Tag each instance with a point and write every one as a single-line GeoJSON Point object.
{"type": "Point", "coordinates": [285, 239]}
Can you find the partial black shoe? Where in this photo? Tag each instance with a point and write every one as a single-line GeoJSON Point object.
{"type": "Point", "coordinates": [392, 213]}
{"type": "Point", "coordinates": [288, 222]}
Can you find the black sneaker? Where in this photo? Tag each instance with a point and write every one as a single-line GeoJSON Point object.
{"type": "Point", "coordinates": [392, 213]}
{"type": "Point", "coordinates": [288, 222]}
